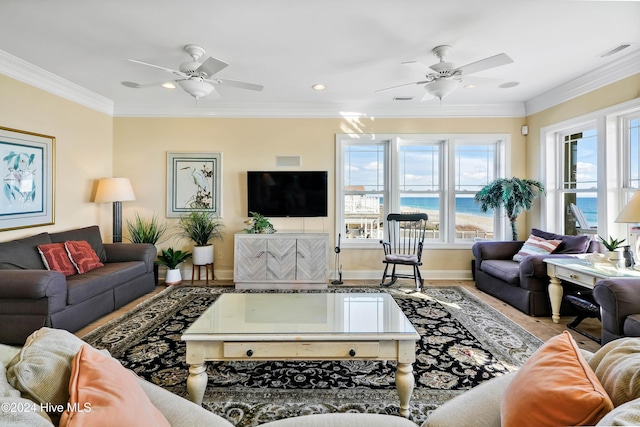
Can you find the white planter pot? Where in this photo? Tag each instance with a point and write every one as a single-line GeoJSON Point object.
{"type": "Point", "coordinates": [202, 255]}
{"type": "Point", "coordinates": [173, 277]}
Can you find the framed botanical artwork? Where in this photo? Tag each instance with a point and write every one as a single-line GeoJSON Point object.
{"type": "Point", "coordinates": [194, 181]}
{"type": "Point", "coordinates": [27, 163]}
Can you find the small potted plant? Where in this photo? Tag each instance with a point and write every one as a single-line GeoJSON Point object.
{"type": "Point", "coordinates": [201, 227]}
{"type": "Point", "coordinates": [612, 245]}
{"type": "Point", "coordinates": [259, 224]}
{"type": "Point", "coordinates": [172, 259]}
{"type": "Point", "coordinates": [144, 230]}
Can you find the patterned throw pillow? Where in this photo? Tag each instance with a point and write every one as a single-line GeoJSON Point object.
{"type": "Point", "coordinates": [55, 258]}
{"type": "Point", "coordinates": [536, 246]}
{"type": "Point", "coordinates": [83, 257]}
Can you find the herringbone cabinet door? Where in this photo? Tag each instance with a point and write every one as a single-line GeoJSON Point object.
{"type": "Point", "coordinates": [309, 253]}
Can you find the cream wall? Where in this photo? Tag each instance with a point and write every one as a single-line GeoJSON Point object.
{"type": "Point", "coordinates": [83, 152]}
{"type": "Point", "coordinates": [141, 144]}
{"type": "Point", "coordinates": [613, 94]}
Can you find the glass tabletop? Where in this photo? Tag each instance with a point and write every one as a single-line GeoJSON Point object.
{"type": "Point", "coordinates": [598, 269]}
{"type": "Point", "coordinates": [296, 313]}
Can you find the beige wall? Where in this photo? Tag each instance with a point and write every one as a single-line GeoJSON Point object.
{"type": "Point", "coordinates": [141, 144]}
{"type": "Point", "coordinates": [83, 152]}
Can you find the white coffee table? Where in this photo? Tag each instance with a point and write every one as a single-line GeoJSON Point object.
{"type": "Point", "coordinates": [302, 326]}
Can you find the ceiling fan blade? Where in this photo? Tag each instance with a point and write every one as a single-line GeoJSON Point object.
{"type": "Point", "coordinates": [211, 66]}
{"type": "Point", "coordinates": [140, 86]}
{"type": "Point", "coordinates": [236, 83]}
{"type": "Point", "coordinates": [169, 70]}
{"type": "Point", "coordinates": [417, 65]}
{"type": "Point", "coordinates": [403, 85]}
{"type": "Point", "coordinates": [485, 64]}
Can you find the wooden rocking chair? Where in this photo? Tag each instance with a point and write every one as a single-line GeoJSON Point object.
{"type": "Point", "coordinates": [405, 238]}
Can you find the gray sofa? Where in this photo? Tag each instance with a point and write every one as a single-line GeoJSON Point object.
{"type": "Point", "coordinates": [523, 284]}
{"type": "Point", "coordinates": [32, 296]}
{"type": "Point", "coordinates": [619, 301]}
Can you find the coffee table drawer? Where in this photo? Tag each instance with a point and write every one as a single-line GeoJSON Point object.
{"type": "Point", "coordinates": [306, 350]}
{"type": "Point", "coordinates": [576, 277]}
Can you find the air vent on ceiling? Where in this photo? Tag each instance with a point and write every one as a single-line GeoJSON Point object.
{"type": "Point", "coordinates": [402, 98]}
{"type": "Point", "coordinates": [615, 50]}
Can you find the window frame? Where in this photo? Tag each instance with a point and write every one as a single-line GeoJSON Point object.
{"type": "Point", "coordinates": [502, 165]}
{"type": "Point", "coordinates": [611, 150]}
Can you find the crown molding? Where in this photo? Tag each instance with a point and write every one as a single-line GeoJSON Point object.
{"type": "Point", "coordinates": [320, 110]}
{"type": "Point", "coordinates": [23, 71]}
{"type": "Point", "coordinates": [619, 69]}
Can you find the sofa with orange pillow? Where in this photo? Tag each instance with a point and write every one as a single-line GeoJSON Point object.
{"type": "Point", "coordinates": [68, 279]}
{"type": "Point", "coordinates": [56, 379]}
{"type": "Point", "coordinates": [559, 385]}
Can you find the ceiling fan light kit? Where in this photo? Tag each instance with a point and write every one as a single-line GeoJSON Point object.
{"type": "Point", "coordinates": [441, 88]}
{"type": "Point", "coordinates": [196, 88]}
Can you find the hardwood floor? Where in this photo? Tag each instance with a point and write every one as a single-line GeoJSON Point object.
{"type": "Point", "coordinates": [541, 327]}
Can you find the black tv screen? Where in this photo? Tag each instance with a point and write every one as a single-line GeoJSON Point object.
{"type": "Point", "coordinates": [287, 193]}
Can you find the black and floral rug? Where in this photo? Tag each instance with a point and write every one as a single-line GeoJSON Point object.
{"type": "Point", "coordinates": [464, 342]}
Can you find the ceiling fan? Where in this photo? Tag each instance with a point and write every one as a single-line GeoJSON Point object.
{"type": "Point", "coordinates": [447, 77]}
{"type": "Point", "coordinates": [196, 78]}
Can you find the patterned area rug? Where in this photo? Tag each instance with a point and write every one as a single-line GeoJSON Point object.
{"type": "Point", "coordinates": [464, 342]}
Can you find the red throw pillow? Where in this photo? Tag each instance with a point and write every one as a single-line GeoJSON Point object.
{"type": "Point", "coordinates": [55, 258]}
{"type": "Point", "coordinates": [82, 255]}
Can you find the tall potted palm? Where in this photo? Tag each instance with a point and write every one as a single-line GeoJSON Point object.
{"type": "Point", "coordinates": [201, 227]}
{"type": "Point", "coordinates": [513, 194]}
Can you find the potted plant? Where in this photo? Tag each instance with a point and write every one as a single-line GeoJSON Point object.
{"type": "Point", "coordinates": [612, 245]}
{"type": "Point", "coordinates": [259, 224]}
{"type": "Point", "coordinates": [143, 230]}
{"type": "Point", "coordinates": [512, 194]}
{"type": "Point", "coordinates": [172, 259]}
{"type": "Point", "coordinates": [201, 227]}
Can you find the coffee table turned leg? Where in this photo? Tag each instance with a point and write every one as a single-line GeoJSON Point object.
{"type": "Point", "coordinates": [404, 383]}
{"type": "Point", "coordinates": [197, 383]}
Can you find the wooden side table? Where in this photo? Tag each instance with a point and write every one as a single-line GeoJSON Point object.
{"type": "Point", "coordinates": [206, 272]}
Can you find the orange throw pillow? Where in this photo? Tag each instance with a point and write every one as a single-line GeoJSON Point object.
{"type": "Point", "coordinates": [82, 255]}
{"type": "Point", "coordinates": [103, 393]}
{"type": "Point", "coordinates": [55, 258]}
{"type": "Point", "coordinates": [555, 387]}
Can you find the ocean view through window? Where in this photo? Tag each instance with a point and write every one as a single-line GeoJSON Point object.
{"type": "Point", "coordinates": [433, 174]}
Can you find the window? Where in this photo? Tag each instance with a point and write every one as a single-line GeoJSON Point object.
{"type": "Point", "coordinates": [580, 178]}
{"type": "Point", "coordinates": [594, 162]}
{"type": "Point", "coordinates": [436, 174]}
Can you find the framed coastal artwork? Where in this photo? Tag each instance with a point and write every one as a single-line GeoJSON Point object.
{"type": "Point", "coordinates": [194, 181]}
{"type": "Point", "coordinates": [27, 170]}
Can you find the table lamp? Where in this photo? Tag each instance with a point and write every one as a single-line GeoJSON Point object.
{"type": "Point", "coordinates": [116, 190]}
{"type": "Point", "coordinates": [631, 214]}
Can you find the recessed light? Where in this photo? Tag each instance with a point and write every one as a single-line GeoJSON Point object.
{"type": "Point", "coordinates": [509, 84]}
{"type": "Point", "coordinates": [318, 86]}
{"type": "Point", "coordinates": [168, 85]}
{"type": "Point", "coordinates": [470, 86]}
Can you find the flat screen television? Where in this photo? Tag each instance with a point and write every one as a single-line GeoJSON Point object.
{"type": "Point", "coordinates": [287, 193]}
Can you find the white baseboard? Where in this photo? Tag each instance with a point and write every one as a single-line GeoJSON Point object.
{"type": "Point", "coordinates": [227, 274]}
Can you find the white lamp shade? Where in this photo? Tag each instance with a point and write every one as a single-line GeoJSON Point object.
{"type": "Point", "coordinates": [441, 87]}
{"type": "Point", "coordinates": [631, 212]}
{"type": "Point", "coordinates": [114, 190]}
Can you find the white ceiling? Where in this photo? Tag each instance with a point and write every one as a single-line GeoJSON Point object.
{"type": "Point", "coordinates": [354, 47]}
